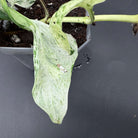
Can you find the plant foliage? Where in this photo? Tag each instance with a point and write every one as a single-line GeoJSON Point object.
{"type": "Point", "coordinates": [54, 54]}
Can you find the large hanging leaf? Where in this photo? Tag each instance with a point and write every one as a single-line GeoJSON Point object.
{"type": "Point", "coordinates": [54, 55]}
{"type": "Point", "coordinates": [53, 69]}
{"type": "Point", "coordinates": [52, 65]}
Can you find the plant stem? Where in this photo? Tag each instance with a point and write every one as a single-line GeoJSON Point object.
{"type": "Point", "coordinates": [46, 11]}
{"type": "Point", "coordinates": [117, 18]}
{"type": "Point", "coordinates": [98, 18]}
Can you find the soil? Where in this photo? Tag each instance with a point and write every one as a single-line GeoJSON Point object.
{"type": "Point", "coordinates": [13, 36]}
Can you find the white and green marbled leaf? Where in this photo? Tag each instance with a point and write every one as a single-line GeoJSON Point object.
{"type": "Point", "coordinates": [53, 59]}
{"type": "Point", "coordinates": [53, 69]}
{"type": "Point", "coordinates": [53, 63]}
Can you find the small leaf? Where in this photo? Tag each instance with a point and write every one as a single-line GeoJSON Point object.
{"type": "Point", "coordinates": [22, 3]}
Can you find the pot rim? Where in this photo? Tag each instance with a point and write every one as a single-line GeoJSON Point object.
{"type": "Point", "coordinates": [26, 51]}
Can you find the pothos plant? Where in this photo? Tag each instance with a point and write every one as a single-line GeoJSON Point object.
{"type": "Point", "coordinates": [54, 52]}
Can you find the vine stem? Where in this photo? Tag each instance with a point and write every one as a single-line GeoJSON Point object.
{"type": "Point", "coordinates": [46, 11]}
{"type": "Point", "coordinates": [98, 18]}
{"type": "Point", "coordinates": [117, 18]}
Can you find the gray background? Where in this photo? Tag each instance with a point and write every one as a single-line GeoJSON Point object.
{"type": "Point", "coordinates": [103, 98]}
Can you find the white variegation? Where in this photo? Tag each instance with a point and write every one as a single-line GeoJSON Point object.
{"type": "Point", "coordinates": [54, 55]}
{"type": "Point", "coordinates": [52, 81]}
{"type": "Point", "coordinates": [57, 18]}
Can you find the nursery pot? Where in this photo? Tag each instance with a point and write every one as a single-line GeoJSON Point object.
{"type": "Point", "coordinates": [25, 55]}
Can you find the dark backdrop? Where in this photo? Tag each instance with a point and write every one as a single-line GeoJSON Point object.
{"type": "Point", "coordinates": [103, 98]}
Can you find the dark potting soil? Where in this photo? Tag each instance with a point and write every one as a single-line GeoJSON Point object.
{"type": "Point", "coordinates": [13, 36]}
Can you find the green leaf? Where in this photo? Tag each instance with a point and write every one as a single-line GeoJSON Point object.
{"type": "Point", "coordinates": [3, 16]}
{"type": "Point", "coordinates": [53, 63]}
{"type": "Point", "coordinates": [16, 17]}
{"type": "Point", "coordinates": [22, 3]}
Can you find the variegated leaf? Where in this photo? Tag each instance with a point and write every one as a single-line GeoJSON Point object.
{"type": "Point", "coordinates": [22, 3]}
{"type": "Point", "coordinates": [54, 55]}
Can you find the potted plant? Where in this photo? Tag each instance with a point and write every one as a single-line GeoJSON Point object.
{"type": "Point", "coordinates": [54, 52]}
{"type": "Point", "coordinates": [22, 49]}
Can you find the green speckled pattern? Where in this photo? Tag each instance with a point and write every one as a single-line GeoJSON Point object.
{"type": "Point", "coordinates": [53, 69]}
{"type": "Point", "coordinates": [54, 55]}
